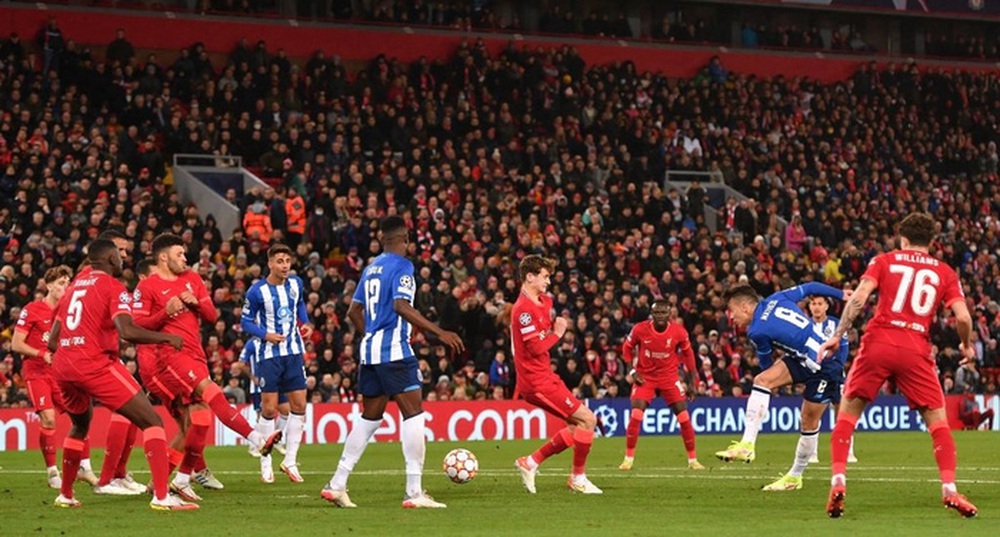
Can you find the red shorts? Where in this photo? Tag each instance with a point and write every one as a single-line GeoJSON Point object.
{"type": "Point", "coordinates": [552, 396]}
{"type": "Point", "coordinates": [671, 392]}
{"type": "Point", "coordinates": [112, 386]}
{"type": "Point", "coordinates": [157, 388]}
{"type": "Point", "coordinates": [914, 372]}
{"type": "Point", "coordinates": [45, 393]}
{"type": "Point", "coordinates": [180, 374]}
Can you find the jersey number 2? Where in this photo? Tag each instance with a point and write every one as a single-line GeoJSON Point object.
{"type": "Point", "coordinates": [372, 290]}
{"type": "Point", "coordinates": [924, 283]}
{"type": "Point", "coordinates": [74, 312]}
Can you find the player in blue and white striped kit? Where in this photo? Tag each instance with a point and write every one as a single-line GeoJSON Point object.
{"type": "Point", "coordinates": [248, 357]}
{"type": "Point", "coordinates": [382, 310]}
{"type": "Point", "coordinates": [777, 322]}
{"type": "Point", "coordinates": [815, 400]}
{"type": "Point", "coordinates": [275, 312]}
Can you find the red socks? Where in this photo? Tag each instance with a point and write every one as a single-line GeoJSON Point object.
{"type": "Point", "coordinates": [72, 451]}
{"type": "Point", "coordinates": [944, 451]}
{"type": "Point", "coordinates": [557, 444]}
{"type": "Point", "coordinates": [229, 416]}
{"type": "Point", "coordinates": [154, 442]}
{"type": "Point", "coordinates": [194, 441]}
{"type": "Point", "coordinates": [122, 468]}
{"type": "Point", "coordinates": [117, 436]}
{"type": "Point", "coordinates": [840, 442]}
{"type": "Point", "coordinates": [47, 443]}
{"type": "Point", "coordinates": [632, 431]}
{"type": "Point", "coordinates": [582, 440]}
{"type": "Point", "coordinates": [687, 433]}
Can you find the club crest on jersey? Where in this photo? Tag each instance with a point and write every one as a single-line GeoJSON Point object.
{"type": "Point", "coordinates": [125, 297]}
{"type": "Point", "coordinates": [524, 319]}
{"type": "Point", "coordinates": [284, 313]}
{"type": "Point", "coordinates": [137, 295]}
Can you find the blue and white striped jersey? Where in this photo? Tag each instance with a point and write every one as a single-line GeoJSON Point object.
{"type": "Point", "coordinates": [276, 309]}
{"type": "Point", "coordinates": [826, 329]}
{"type": "Point", "coordinates": [387, 335]}
{"type": "Point", "coordinates": [778, 322]}
{"type": "Point", "coordinates": [249, 356]}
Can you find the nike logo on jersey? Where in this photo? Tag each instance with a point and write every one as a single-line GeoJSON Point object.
{"type": "Point", "coordinates": [165, 292]}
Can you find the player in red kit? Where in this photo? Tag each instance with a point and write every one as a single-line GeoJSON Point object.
{"type": "Point", "coordinates": [174, 299]}
{"type": "Point", "coordinates": [653, 348]}
{"type": "Point", "coordinates": [911, 286]}
{"type": "Point", "coordinates": [115, 479]}
{"type": "Point", "coordinates": [533, 333]}
{"type": "Point", "coordinates": [31, 335]}
{"type": "Point", "coordinates": [92, 315]}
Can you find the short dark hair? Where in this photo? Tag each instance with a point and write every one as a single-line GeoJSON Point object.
{"type": "Point", "coordinates": [660, 300]}
{"type": "Point", "coordinates": [741, 292]}
{"type": "Point", "coordinates": [164, 241]}
{"type": "Point", "coordinates": [112, 234]}
{"type": "Point", "coordinates": [144, 266]}
{"type": "Point", "coordinates": [918, 228]}
{"type": "Point", "coordinates": [392, 224]}
{"type": "Point", "coordinates": [55, 273]}
{"type": "Point", "coordinates": [278, 249]}
{"type": "Point", "coordinates": [533, 264]}
{"type": "Point", "coordinates": [98, 248]}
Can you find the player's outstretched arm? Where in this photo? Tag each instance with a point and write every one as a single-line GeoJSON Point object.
{"type": "Point", "coordinates": [414, 317]}
{"type": "Point", "coordinates": [852, 308]}
{"type": "Point", "coordinates": [129, 331]}
{"type": "Point", "coordinates": [799, 292]}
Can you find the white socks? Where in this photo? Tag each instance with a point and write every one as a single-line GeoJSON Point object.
{"type": "Point", "coordinates": [182, 480]}
{"type": "Point", "coordinates": [808, 441]}
{"type": "Point", "coordinates": [411, 435]}
{"type": "Point", "coordinates": [757, 405]}
{"type": "Point", "coordinates": [85, 465]}
{"type": "Point", "coordinates": [354, 447]}
{"type": "Point", "coordinates": [281, 424]}
{"type": "Point", "coordinates": [293, 437]}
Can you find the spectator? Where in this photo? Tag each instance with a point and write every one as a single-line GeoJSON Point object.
{"type": "Point", "coordinates": [120, 51]}
{"type": "Point", "coordinates": [970, 414]}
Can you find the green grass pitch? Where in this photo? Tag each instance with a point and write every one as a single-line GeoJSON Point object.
{"type": "Point", "coordinates": [893, 490]}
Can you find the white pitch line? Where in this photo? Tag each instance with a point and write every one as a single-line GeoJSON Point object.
{"type": "Point", "coordinates": [677, 473]}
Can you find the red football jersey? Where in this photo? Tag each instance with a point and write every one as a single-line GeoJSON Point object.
{"type": "Point", "coordinates": [531, 338]}
{"type": "Point", "coordinates": [150, 310]}
{"type": "Point", "coordinates": [35, 321]}
{"type": "Point", "coordinates": [911, 286]}
{"type": "Point", "coordinates": [88, 337]}
{"type": "Point", "coordinates": [659, 352]}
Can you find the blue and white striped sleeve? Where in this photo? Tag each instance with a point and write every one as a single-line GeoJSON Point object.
{"type": "Point", "coordinates": [251, 307]}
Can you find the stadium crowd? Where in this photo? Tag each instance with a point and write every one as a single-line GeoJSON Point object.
{"type": "Point", "coordinates": [490, 158]}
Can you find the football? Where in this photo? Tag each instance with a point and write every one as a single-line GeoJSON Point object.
{"type": "Point", "coordinates": [460, 465]}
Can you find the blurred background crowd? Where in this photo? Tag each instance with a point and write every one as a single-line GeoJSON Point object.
{"type": "Point", "coordinates": [490, 157]}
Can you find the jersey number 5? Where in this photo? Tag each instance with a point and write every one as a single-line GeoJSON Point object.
{"type": "Point", "coordinates": [924, 283]}
{"type": "Point", "coordinates": [373, 289]}
{"type": "Point", "coordinates": [74, 312]}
